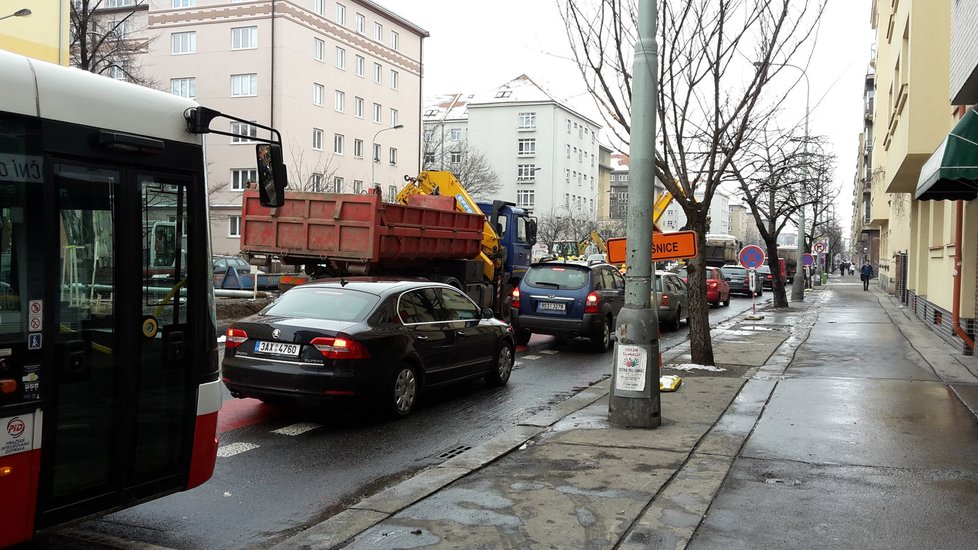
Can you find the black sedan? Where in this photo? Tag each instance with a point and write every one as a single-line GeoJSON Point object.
{"type": "Point", "coordinates": [385, 340]}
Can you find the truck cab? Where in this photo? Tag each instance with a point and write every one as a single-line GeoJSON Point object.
{"type": "Point", "coordinates": [517, 232]}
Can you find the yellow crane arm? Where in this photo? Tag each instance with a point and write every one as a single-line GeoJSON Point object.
{"type": "Point", "coordinates": [660, 205]}
{"type": "Point", "coordinates": [433, 182]}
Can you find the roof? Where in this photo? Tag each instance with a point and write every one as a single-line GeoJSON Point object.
{"type": "Point", "coordinates": [372, 285]}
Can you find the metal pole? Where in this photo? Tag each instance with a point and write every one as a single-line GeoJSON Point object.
{"type": "Point", "coordinates": [634, 401]}
{"type": "Point", "coordinates": [373, 147]}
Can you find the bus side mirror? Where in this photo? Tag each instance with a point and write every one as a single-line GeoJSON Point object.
{"type": "Point", "coordinates": [272, 178]}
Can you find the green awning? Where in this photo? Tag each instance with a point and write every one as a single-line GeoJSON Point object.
{"type": "Point", "coordinates": [951, 173]}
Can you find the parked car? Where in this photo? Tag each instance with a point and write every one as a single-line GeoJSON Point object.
{"type": "Point", "coordinates": [766, 277]}
{"type": "Point", "coordinates": [222, 263]}
{"type": "Point", "coordinates": [717, 289]}
{"type": "Point", "coordinates": [385, 340]}
{"type": "Point", "coordinates": [738, 278]}
{"type": "Point", "coordinates": [672, 299]}
{"type": "Point", "coordinates": [568, 299]}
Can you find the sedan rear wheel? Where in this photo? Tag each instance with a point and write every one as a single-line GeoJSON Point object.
{"type": "Point", "coordinates": [601, 340]}
{"type": "Point", "coordinates": [674, 325]}
{"type": "Point", "coordinates": [402, 394]}
{"type": "Point", "coordinates": [502, 367]}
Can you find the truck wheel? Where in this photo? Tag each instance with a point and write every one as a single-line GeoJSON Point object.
{"type": "Point", "coordinates": [522, 335]}
{"type": "Point", "coordinates": [502, 367]}
{"type": "Point", "coordinates": [402, 391]}
{"type": "Point", "coordinates": [601, 340]}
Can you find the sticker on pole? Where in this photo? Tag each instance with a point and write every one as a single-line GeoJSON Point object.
{"type": "Point", "coordinates": [807, 260]}
{"type": "Point", "coordinates": [751, 256]}
{"type": "Point", "coordinates": [630, 368]}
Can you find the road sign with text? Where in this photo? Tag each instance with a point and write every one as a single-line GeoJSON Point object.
{"type": "Point", "coordinates": [676, 245]}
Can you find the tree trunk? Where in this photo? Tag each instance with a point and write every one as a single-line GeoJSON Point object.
{"type": "Point", "coordinates": [780, 296]}
{"type": "Point", "coordinates": [700, 343]}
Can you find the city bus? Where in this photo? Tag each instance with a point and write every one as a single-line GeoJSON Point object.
{"type": "Point", "coordinates": [109, 387]}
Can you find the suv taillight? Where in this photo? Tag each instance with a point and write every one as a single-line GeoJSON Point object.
{"type": "Point", "coordinates": [591, 303]}
{"type": "Point", "coordinates": [516, 298]}
{"type": "Point", "coordinates": [234, 338]}
{"type": "Point", "coordinates": [663, 300]}
{"type": "Point", "coordinates": [340, 347]}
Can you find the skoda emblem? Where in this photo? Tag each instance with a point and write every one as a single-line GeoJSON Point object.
{"type": "Point", "coordinates": [276, 334]}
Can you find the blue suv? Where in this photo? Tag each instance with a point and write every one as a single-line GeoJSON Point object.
{"type": "Point", "coordinates": [569, 300]}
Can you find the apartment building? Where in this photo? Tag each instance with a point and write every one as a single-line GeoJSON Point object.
{"type": "Point", "coordinates": [864, 236]}
{"type": "Point", "coordinates": [743, 226]}
{"type": "Point", "coordinates": [341, 81]}
{"type": "Point", "coordinates": [545, 153]}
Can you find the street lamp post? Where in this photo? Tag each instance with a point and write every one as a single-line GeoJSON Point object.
{"type": "Point", "coordinates": [798, 286]}
{"type": "Point", "coordinates": [23, 12]}
{"type": "Point", "coordinates": [373, 148]}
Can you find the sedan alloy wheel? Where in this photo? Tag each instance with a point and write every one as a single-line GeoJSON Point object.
{"type": "Point", "coordinates": [404, 391]}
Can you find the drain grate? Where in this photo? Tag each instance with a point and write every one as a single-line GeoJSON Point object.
{"type": "Point", "coordinates": [453, 452]}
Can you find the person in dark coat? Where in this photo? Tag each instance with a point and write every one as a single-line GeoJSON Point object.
{"type": "Point", "coordinates": [866, 273]}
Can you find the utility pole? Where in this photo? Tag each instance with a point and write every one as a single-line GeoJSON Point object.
{"type": "Point", "coordinates": [634, 401]}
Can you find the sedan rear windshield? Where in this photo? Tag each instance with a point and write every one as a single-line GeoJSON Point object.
{"type": "Point", "coordinates": [559, 276]}
{"type": "Point", "coordinates": [734, 271]}
{"type": "Point", "coordinates": [331, 304]}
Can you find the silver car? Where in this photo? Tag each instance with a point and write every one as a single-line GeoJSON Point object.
{"type": "Point", "coordinates": [672, 299]}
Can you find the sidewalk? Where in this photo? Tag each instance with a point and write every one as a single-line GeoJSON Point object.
{"type": "Point", "coordinates": [565, 478]}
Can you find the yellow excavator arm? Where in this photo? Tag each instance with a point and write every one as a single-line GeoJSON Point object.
{"type": "Point", "coordinates": [660, 205]}
{"type": "Point", "coordinates": [431, 182]}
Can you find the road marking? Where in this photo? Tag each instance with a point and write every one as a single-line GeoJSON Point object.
{"type": "Point", "coordinates": [531, 357]}
{"type": "Point", "coordinates": [549, 351]}
{"type": "Point", "coordinates": [296, 429]}
{"type": "Point", "coordinates": [235, 448]}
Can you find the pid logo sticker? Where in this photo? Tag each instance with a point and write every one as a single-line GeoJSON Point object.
{"type": "Point", "coordinates": [16, 427]}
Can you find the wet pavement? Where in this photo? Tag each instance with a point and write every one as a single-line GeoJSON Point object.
{"type": "Point", "coordinates": [839, 423]}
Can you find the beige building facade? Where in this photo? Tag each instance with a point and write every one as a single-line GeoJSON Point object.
{"type": "Point", "coordinates": [36, 29]}
{"type": "Point", "coordinates": [341, 81]}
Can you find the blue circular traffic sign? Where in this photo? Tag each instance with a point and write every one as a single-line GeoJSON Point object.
{"type": "Point", "coordinates": [751, 256]}
{"type": "Point", "coordinates": [807, 260]}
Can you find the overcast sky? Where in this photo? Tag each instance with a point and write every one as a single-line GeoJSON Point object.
{"type": "Point", "coordinates": [475, 46]}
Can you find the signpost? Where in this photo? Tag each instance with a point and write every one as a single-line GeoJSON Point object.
{"type": "Point", "coordinates": [676, 245]}
{"type": "Point", "coordinates": [808, 261]}
{"type": "Point", "coordinates": [752, 257]}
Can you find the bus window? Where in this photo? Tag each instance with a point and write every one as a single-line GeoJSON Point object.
{"type": "Point", "coordinates": [11, 258]}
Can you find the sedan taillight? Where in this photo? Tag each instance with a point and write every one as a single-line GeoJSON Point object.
{"type": "Point", "coordinates": [340, 347]}
{"type": "Point", "coordinates": [711, 283]}
{"type": "Point", "coordinates": [234, 338]}
{"type": "Point", "coordinates": [591, 303]}
{"type": "Point", "coordinates": [663, 300]}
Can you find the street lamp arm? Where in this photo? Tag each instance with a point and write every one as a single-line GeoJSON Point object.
{"type": "Point", "coordinates": [373, 147]}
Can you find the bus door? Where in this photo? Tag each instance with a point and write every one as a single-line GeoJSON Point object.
{"type": "Point", "coordinates": [120, 419]}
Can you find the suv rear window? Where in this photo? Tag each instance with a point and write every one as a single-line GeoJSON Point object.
{"type": "Point", "coordinates": [559, 276]}
{"type": "Point", "coordinates": [331, 304]}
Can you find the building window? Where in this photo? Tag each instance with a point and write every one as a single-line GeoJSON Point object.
{"type": "Point", "coordinates": [240, 177]}
{"type": "Point", "coordinates": [429, 159]}
{"type": "Point", "coordinates": [338, 144]}
{"type": "Point", "coordinates": [455, 157]}
{"type": "Point", "coordinates": [524, 198]}
{"type": "Point", "coordinates": [243, 132]}
{"type": "Point", "coordinates": [316, 183]}
{"type": "Point", "coordinates": [119, 3]}
{"type": "Point", "coordinates": [580, 156]}
{"type": "Point", "coordinates": [244, 85]}
{"type": "Point", "coordinates": [391, 193]}
{"type": "Point", "coordinates": [503, 94]}
{"type": "Point", "coordinates": [244, 38]}
{"type": "Point", "coordinates": [376, 152]}
{"type": "Point", "coordinates": [358, 64]}
{"type": "Point", "coordinates": [395, 41]}
{"type": "Point", "coordinates": [378, 73]}
{"type": "Point", "coordinates": [340, 14]}
{"type": "Point", "coordinates": [393, 117]}
{"type": "Point", "coordinates": [526, 147]}
{"type": "Point", "coordinates": [393, 156]}
{"type": "Point", "coordinates": [183, 42]}
{"type": "Point", "coordinates": [358, 148]}
{"type": "Point", "coordinates": [394, 79]}
{"type": "Point", "coordinates": [568, 125]}
{"type": "Point", "coordinates": [339, 103]}
{"type": "Point", "coordinates": [455, 134]}
{"type": "Point", "coordinates": [568, 150]}
{"type": "Point", "coordinates": [317, 139]}
{"type": "Point", "coordinates": [184, 87]}
{"type": "Point", "coordinates": [176, 3]}
{"type": "Point", "coordinates": [527, 121]}
{"type": "Point", "coordinates": [340, 58]}
{"type": "Point", "coordinates": [566, 175]}
{"type": "Point", "coordinates": [318, 91]}
{"type": "Point", "coordinates": [525, 172]}
{"type": "Point", "coordinates": [378, 32]}
{"type": "Point", "coordinates": [377, 111]}
{"type": "Point", "coordinates": [319, 6]}
{"type": "Point", "coordinates": [580, 131]}
{"type": "Point", "coordinates": [337, 184]}
{"type": "Point", "coordinates": [360, 23]}
{"type": "Point", "coordinates": [358, 107]}
{"type": "Point", "coordinates": [319, 49]}
{"type": "Point", "coordinates": [358, 186]}
{"type": "Point", "coordinates": [234, 226]}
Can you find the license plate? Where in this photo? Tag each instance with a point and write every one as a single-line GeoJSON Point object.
{"type": "Point", "coordinates": [277, 348]}
{"type": "Point", "coordinates": [551, 306]}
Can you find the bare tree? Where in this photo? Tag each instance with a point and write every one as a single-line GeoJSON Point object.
{"type": "Point", "coordinates": [567, 224]}
{"type": "Point", "coordinates": [708, 91]}
{"type": "Point", "coordinates": [312, 172]}
{"type": "Point", "coordinates": [108, 38]}
{"type": "Point", "coordinates": [467, 162]}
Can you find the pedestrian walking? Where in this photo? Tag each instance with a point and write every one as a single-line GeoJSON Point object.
{"type": "Point", "coordinates": [866, 273]}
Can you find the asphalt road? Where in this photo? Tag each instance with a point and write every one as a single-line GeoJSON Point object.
{"type": "Point", "coordinates": [280, 470]}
